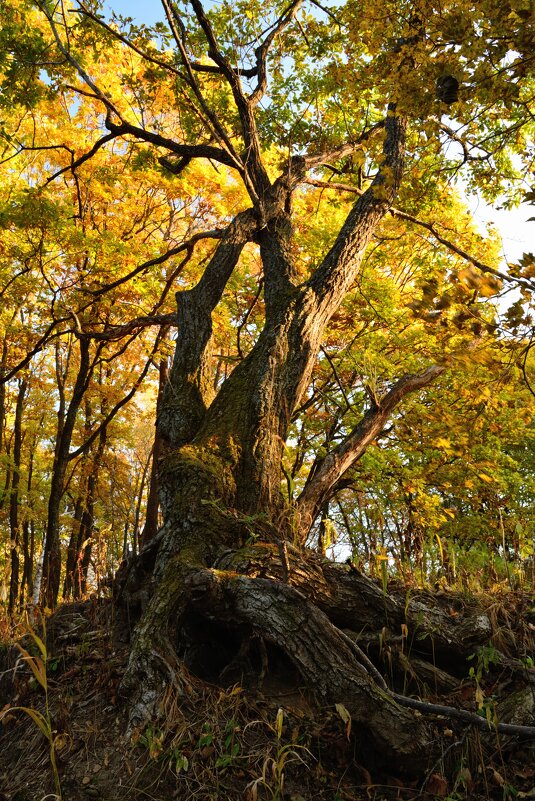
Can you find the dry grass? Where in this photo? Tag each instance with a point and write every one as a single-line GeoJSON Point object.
{"type": "Point", "coordinates": [226, 743]}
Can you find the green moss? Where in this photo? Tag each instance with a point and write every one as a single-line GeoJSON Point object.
{"type": "Point", "coordinates": [199, 471]}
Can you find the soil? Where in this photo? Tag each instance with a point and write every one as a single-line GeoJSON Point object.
{"type": "Point", "coordinates": [251, 734]}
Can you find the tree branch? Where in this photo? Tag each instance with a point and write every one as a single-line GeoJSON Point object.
{"type": "Point", "coordinates": [255, 176]}
{"type": "Point", "coordinates": [118, 406]}
{"type": "Point", "coordinates": [187, 245]}
{"type": "Point", "coordinates": [484, 268]}
{"type": "Point", "coordinates": [119, 331]}
{"type": "Point", "coordinates": [184, 150]}
{"type": "Point", "coordinates": [118, 35]}
{"type": "Point", "coordinates": [346, 149]}
{"type": "Point", "coordinates": [190, 387]}
{"type": "Point", "coordinates": [74, 63]}
{"type": "Point", "coordinates": [82, 159]}
{"type": "Point", "coordinates": [263, 50]}
{"type": "Point", "coordinates": [337, 272]}
{"type": "Point", "coordinates": [214, 124]}
{"type": "Point", "coordinates": [524, 282]}
{"type": "Point", "coordinates": [332, 467]}
{"type": "Point", "coordinates": [40, 344]}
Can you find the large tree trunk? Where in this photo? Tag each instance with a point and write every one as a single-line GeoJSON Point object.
{"type": "Point", "coordinates": [221, 474]}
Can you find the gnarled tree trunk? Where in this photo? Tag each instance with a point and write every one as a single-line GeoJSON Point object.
{"type": "Point", "coordinates": [221, 475]}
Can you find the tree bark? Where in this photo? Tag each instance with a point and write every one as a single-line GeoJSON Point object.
{"type": "Point", "coordinates": [28, 534]}
{"type": "Point", "coordinates": [329, 471]}
{"type": "Point", "coordinates": [150, 529]}
{"type": "Point", "coordinates": [51, 577]}
{"type": "Point", "coordinates": [74, 539]}
{"type": "Point", "coordinates": [14, 500]}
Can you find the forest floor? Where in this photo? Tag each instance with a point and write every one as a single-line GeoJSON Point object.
{"type": "Point", "coordinates": [251, 739]}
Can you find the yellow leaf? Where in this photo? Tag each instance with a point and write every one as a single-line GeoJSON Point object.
{"type": "Point", "coordinates": [440, 548]}
{"type": "Point", "coordinates": [36, 665]}
{"type": "Point", "coordinates": [278, 723]}
{"type": "Point", "coordinates": [346, 717]}
{"type": "Point", "coordinates": [39, 642]}
{"type": "Point", "coordinates": [38, 719]}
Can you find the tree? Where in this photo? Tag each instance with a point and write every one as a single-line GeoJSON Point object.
{"type": "Point", "coordinates": [351, 94]}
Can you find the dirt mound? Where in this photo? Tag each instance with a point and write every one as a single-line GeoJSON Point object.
{"type": "Point", "coordinates": [251, 734]}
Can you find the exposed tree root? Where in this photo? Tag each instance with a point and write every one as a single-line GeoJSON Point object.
{"type": "Point", "coordinates": [314, 618]}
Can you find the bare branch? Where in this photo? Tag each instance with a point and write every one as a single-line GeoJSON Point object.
{"type": "Point", "coordinates": [118, 35]}
{"type": "Point", "coordinates": [75, 63]}
{"type": "Point", "coordinates": [250, 72]}
{"type": "Point", "coordinates": [262, 51]}
{"type": "Point", "coordinates": [255, 175]}
{"type": "Point", "coordinates": [524, 282]}
{"type": "Point", "coordinates": [215, 126]}
{"type": "Point", "coordinates": [484, 268]}
{"type": "Point", "coordinates": [82, 159]}
{"type": "Point", "coordinates": [187, 245]}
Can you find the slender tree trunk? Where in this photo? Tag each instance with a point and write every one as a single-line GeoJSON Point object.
{"type": "Point", "coordinates": [3, 363]}
{"type": "Point", "coordinates": [28, 532]}
{"type": "Point", "coordinates": [50, 581]}
{"type": "Point", "coordinates": [14, 520]}
{"type": "Point", "coordinates": [153, 502]}
{"type": "Point", "coordinates": [85, 534]}
{"type": "Point", "coordinates": [7, 482]}
{"type": "Point", "coordinates": [73, 546]}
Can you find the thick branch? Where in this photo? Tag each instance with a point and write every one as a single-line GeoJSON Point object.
{"type": "Point", "coordinates": [190, 387]}
{"type": "Point", "coordinates": [346, 149]}
{"type": "Point", "coordinates": [119, 331]}
{"type": "Point", "coordinates": [184, 150]}
{"type": "Point", "coordinates": [337, 272]}
{"type": "Point", "coordinates": [403, 215]}
{"type": "Point", "coordinates": [330, 470]}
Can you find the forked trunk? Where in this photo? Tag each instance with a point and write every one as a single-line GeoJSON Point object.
{"type": "Point", "coordinates": [221, 474]}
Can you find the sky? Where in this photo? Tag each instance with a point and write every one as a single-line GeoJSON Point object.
{"type": "Point", "coordinates": [147, 11]}
{"type": "Point", "coordinates": [516, 232]}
